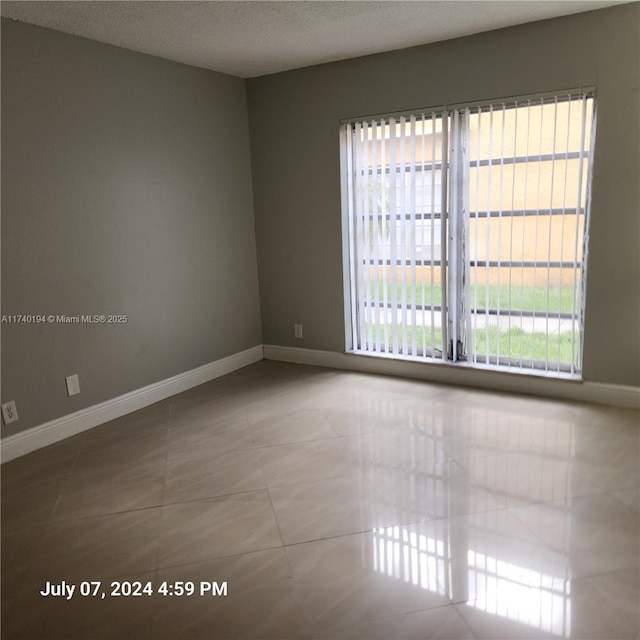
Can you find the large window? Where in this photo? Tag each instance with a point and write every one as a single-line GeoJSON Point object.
{"type": "Point", "coordinates": [466, 232]}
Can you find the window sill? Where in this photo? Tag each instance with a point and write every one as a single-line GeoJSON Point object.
{"type": "Point", "coordinates": [471, 366]}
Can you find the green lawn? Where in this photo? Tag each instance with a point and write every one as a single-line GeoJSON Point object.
{"type": "Point", "coordinates": [522, 298]}
{"type": "Point", "coordinates": [513, 343]}
{"type": "Point", "coordinates": [516, 343]}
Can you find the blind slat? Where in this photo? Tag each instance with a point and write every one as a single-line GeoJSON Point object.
{"type": "Point", "coordinates": [401, 215]}
{"type": "Point", "coordinates": [375, 231]}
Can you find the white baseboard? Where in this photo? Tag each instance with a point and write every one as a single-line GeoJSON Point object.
{"type": "Point", "coordinates": [72, 424]}
{"type": "Point", "coordinates": [50, 432]}
{"type": "Point", "coordinates": [609, 394]}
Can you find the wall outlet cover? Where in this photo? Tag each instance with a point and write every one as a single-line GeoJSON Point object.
{"type": "Point", "coordinates": [9, 412]}
{"type": "Point", "coordinates": [73, 385]}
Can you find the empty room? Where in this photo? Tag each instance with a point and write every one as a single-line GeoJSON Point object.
{"type": "Point", "coordinates": [320, 320]}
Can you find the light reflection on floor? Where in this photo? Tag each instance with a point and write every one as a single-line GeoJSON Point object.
{"type": "Point", "coordinates": [495, 585]}
{"type": "Point", "coordinates": [410, 557]}
{"type": "Point", "coordinates": [477, 564]}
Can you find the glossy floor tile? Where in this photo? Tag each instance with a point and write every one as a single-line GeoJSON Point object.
{"type": "Point", "coordinates": [284, 501]}
{"type": "Point", "coordinates": [204, 529]}
{"type": "Point", "coordinates": [262, 600]}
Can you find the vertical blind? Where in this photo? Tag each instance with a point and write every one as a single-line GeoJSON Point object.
{"type": "Point", "coordinates": [397, 236]}
{"type": "Point", "coordinates": [528, 163]}
{"type": "Point", "coordinates": [467, 232]}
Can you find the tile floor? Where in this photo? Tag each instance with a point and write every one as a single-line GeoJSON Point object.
{"type": "Point", "coordinates": [334, 505]}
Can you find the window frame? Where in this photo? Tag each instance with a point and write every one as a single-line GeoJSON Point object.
{"type": "Point", "coordinates": [454, 219]}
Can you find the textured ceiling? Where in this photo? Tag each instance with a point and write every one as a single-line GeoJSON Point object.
{"type": "Point", "coordinates": [249, 39]}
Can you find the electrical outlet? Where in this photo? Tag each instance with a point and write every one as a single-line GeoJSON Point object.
{"type": "Point", "coordinates": [9, 412]}
{"type": "Point", "coordinates": [73, 385]}
{"type": "Point", "coordinates": [297, 331]}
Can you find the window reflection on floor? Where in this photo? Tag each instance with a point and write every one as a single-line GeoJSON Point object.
{"type": "Point", "coordinates": [410, 557]}
{"type": "Point", "coordinates": [519, 593]}
{"type": "Point", "coordinates": [483, 559]}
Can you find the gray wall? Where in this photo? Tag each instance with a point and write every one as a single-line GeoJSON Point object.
{"type": "Point", "coordinates": [126, 188]}
{"type": "Point", "coordinates": [294, 120]}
